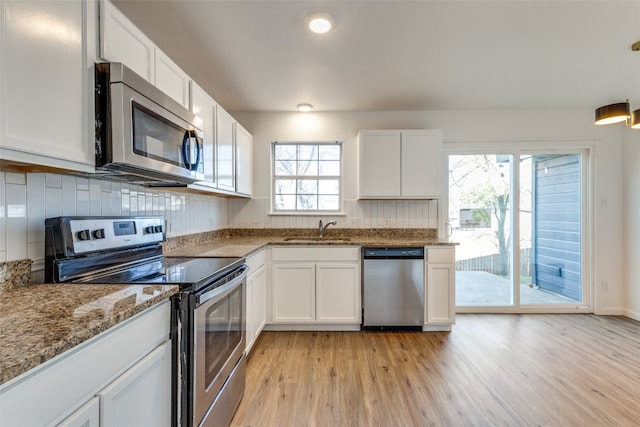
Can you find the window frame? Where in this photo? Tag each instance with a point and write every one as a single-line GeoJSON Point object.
{"type": "Point", "coordinates": [275, 177]}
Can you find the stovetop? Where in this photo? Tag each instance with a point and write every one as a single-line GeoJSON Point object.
{"type": "Point", "coordinates": [181, 271]}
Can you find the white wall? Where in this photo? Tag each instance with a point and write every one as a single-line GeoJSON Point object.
{"type": "Point", "coordinates": [548, 128]}
{"type": "Point", "coordinates": [27, 199]}
{"type": "Point", "coordinates": [631, 222]}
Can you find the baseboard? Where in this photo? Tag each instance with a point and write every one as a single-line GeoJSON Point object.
{"type": "Point", "coordinates": [633, 314]}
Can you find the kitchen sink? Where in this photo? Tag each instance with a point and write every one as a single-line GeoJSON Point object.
{"type": "Point", "coordinates": [316, 239]}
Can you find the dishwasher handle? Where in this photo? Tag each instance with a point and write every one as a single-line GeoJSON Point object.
{"type": "Point", "coordinates": [393, 253]}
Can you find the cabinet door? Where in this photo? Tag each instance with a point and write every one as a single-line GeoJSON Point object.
{"type": "Point", "coordinates": [338, 293]}
{"type": "Point", "coordinates": [440, 282]}
{"type": "Point", "coordinates": [421, 160]}
{"type": "Point", "coordinates": [122, 41]}
{"type": "Point", "coordinates": [225, 158]}
{"type": "Point", "coordinates": [170, 78]}
{"type": "Point", "coordinates": [46, 89]}
{"type": "Point", "coordinates": [379, 164]}
{"type": "Point", "coordinates": [142, 395]}
{"type": "Point", "coordinates": [256, 305]}
{"type": "Point", "coordinates": [205, 107]}
{"type": "Point", "coordinates": [88, 415]}
{"type": "Point", "coordinates": [293, 296]}
{"type": "Point", "coordinates": [244, 163]}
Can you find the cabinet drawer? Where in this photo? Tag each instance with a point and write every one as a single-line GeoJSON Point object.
{"type": "Point", "coordinates": [256, 260]}
{"type": "Point", "coordinates": [440, 254]}
{"type": "Point", "coordinates": [315, 254]}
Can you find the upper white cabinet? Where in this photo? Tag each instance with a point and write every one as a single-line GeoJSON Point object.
{"type": "Point", "coordinates": [170, 78]}
{"type": "Point", "coordinates": [399, 164]}
{"type": "Point", "coordinates": [244, 163]}
{"type": "Point", "coordinates": [204, 107]}
{"type": "Point", "coordinates": [225, 150]}
{"type": "Point", "coordinates": [121, 41]}
{"type": "Point", "coordinates": [46, 83]}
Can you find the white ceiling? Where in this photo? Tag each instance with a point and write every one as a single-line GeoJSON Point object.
{"type": "Point", "coordinates": [402, 55]}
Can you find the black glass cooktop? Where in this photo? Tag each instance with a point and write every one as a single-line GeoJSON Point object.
{"type": "Point", "coordinates": [180, 271]}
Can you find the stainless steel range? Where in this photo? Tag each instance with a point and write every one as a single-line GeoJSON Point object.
{"type": "Point", "coordinates": [209, 312]}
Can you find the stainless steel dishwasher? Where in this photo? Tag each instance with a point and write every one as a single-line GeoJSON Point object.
{"type": "Point", "coordinates": [393, 288]}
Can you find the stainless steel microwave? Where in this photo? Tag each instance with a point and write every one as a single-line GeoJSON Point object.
{"type": "Point", "coordinates": [142, 135]}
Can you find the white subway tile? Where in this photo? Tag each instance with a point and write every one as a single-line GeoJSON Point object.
{"type": "Point", "coordinates": [36, 200]}
{"type": "Point", "coordinates": [3, 220]}
{"type": "Point", "coordinates": [82, 202]}
{"type": "Point", "coordinates": [68, 195]}
{"type": "Point", "coordinates": [16, 178]}
{"type": "Point", "coordinates": [16, 199]}
{"type": "Point", "coordinates": [54, 180]}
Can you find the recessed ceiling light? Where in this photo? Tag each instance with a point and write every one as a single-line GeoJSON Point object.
{"type": "Point", "coordinates": [305, 107]}
{"type": "Point", "coordinates": [319, 22]}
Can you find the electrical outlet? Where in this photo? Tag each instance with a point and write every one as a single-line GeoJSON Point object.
{"type": "Point", "coordinates": [355, 222]}
{"type": "Point", "coordinates": [386, 222]}
{"type": "Point", "coordinates": [605, 286]}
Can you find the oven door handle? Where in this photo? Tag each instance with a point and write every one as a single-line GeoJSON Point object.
{"type": "Point", "coordinates": [222, 291]}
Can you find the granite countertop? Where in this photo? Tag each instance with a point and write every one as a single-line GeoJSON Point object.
{"type": "Point", "coordinates": [39, 322]}
{"type": "Point", "coordinates": [244, 242]}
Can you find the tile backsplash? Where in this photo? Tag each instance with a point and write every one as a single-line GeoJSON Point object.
{"type": "Point", "coordinates": [26, 199]}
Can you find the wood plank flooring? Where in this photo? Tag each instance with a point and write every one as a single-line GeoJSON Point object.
{"type": "Point", "coordinates": [491, 370]}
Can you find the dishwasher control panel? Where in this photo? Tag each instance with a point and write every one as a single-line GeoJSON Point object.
{"type": "Point", "coordinates": [390, 253]}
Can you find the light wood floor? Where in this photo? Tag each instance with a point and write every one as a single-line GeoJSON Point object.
{"type": "Point", "coordinates": [492, 370]}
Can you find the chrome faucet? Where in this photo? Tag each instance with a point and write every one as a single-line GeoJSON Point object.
{"type": "Point", "coordinates": [321, 228]}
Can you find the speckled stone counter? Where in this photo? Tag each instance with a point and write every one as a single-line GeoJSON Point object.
{"type": "Point", "coordinates": [39, 322]}
{"type": "Point", "coordinates": [244, 242]}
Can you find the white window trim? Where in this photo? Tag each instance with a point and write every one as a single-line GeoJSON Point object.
{"type": "Point", "coordinates": [339, 212]}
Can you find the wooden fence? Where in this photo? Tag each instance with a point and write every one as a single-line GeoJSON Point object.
{"type": "Point", "coordinates": [491, 263]}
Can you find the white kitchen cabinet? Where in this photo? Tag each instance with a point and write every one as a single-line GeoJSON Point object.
{"type": "Point", "coordinates": [204, 106]}
{"type": "Point", "coordinates": [314, 285]}
{"type": "Point", "coordinates": [293, 292]}
{"type": "Point", "coordinates": [440, 287]}
{"type": "Point", "coordinates": [126, 353]}
{"type": "Point", "coordinates": [225, 150]}
{"type": "Point", "coordinates": [142, 395]}
{"type": "Point", "coordinates": [87, 416]}
{"type": "Point", "coordinates": [170, 78]}
{"type": "Point", "coordinates": [256, 297]}
{"type": "Point", "coordinates": [122, 41]}
{"type": "Point", "coordinates": [244, 162]}
{"type": "Point", "coordinates": [338, 292]}
{"type": "Point", "coordinates": [46, 84]}
{"type": "Point", "coordinates": [399, 164]}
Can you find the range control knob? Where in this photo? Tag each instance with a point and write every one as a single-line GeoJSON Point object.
{"type": "Point", "coordinates": [98, 234]}
{"type": "Point", "coordinates": [148, 229]}
{"type": "Point", "coordinates": [157, 229]}
{"type": "Point", "coordinates": [84, 235]}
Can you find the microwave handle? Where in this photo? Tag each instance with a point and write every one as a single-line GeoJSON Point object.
{"type": "Point", "coordinates": [186, 158]}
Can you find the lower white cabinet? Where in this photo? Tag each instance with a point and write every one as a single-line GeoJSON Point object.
{"type": "Point", "coordinates": [87, 416]}
{"type": "Point", "coordinates": [122, 377]}
{"type": "Point", "coordinates": [142, 395]}
{"type": "Point", "coordinates": [316, 285]}
{"type": "Point", "coordinates": [256, 297]}
{"type": "Point", "coordinates": [440, 286]}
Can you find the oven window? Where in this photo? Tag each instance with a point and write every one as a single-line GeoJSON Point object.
{"type": "Point", "coordinates": [223, 333]}
{"type": "Point", "coordinates": [155, 137]}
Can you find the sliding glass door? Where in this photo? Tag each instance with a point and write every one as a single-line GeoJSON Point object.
{"type": "Point", "coordinates": [519, 220]}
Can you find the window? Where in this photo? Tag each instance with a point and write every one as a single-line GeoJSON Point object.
{"type": "Point", "coordinates": [306, 176]}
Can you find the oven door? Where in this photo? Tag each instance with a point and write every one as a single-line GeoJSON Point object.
{"type": "Point", "coordinates": [146, 136]}
{"type": "Point", "coordinates": [219, 338]}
